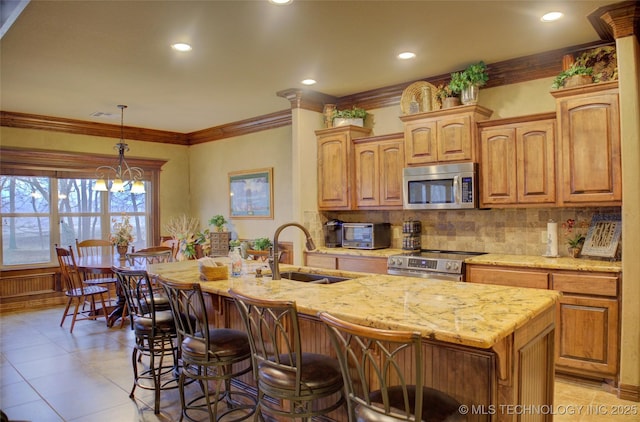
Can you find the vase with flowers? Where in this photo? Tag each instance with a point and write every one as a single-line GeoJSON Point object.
{"type": "Point", "coordinates": [574, 233]}
{"type": "Point", "coordinates": [122, 235]}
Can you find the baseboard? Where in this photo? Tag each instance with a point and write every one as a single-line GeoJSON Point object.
{"type": "Point", "coordinates": [629, 392]}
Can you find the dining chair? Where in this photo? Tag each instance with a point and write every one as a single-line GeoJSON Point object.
{"type": "Point", "coordinates": [76, 291]}
{"type": "Point", "coordinates": [155, 334]}
{"type": "Point", "coordinates": [173, 244]}
{"type": "Point", "coordinates": [151, 255]}
{"type": "Point", "coordinates": [209, 355]}
{"type": "Point", "coordinates": [291, 383]}
{"type": "Point", "coordinates": [94, 247]}
{"type": "Point", "coordinates": [384, 375]}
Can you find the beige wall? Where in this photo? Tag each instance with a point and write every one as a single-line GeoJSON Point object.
{"type": "Point", "coordinates": [209, 167]}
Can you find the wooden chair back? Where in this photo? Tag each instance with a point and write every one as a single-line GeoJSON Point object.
{"type": "Point", "coordinates": [71, 277]}
{"type": "Point", "coordinates": [152, 255]}
{"type": "Point", "coordinates": [94, 247]}
{"type": "Point", "coordinates": [173, 244]}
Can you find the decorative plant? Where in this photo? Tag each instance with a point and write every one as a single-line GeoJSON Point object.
{"type": "Point", "coordinates": [444, 91]}
{"type": "Point", "coordinates": [122, 232]}
{"type": "Point", "coordinates": [262, 244]}
{"type": "Point", "coordinates": [185, 230]}
{"type": "Point", "coordinates": [575, 232]}
{"type": "Point", "coordinates": [474, 74]}
{"type": "Point", "coordinates": [218, 221]}
{"type": "Point", "coordinates": [456, 84]}
{"type": "Point", "coordinates": [203, 239]}
{"type": "Point", "coordinates": [575, 69]}
{"type": "Point", "coordinates": [353, 113]}
{"type": "Point", "coordinates": [603, 60]}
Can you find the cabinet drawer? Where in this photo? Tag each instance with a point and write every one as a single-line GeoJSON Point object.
{"type": "Point", "coordinates": [320, 261]}
{"type": "Point", "coordinates": [363, 264]}
{"type": "Point", "coordinates": [507, 277]}
{"type": "Point", "coordinates": [588, 284]}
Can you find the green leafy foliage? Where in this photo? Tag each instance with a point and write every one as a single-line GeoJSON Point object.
{"type": "Point", "coordinates": [262, 244]}
{"type": "Point", "coordinates": [218, 221]}
{"type": "Point", "coordinates": [574, 70]}
{"type": "Point", "coordinates": [353, 113]}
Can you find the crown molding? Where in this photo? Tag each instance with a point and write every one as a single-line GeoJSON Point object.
{"type": "Point", "coordinates": [243, 127]}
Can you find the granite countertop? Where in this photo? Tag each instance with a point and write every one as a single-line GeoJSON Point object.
{"type": "Point", "coordinates": [475, 315]}
{"type": "Point", "coordinates": [560, 263]}
{"type": "Point", "coordinates": [385, 252]}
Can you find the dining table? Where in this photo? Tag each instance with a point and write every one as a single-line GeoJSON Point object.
{"type": "Point", "coordinates": [104, 264]}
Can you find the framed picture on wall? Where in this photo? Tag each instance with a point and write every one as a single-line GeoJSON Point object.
{"type": "Point", "coordinates": [603, 236]}
{"type": "Point", "coordinates": [251, 194]}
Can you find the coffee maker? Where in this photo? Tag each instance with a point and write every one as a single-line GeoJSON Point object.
{"type": "Point", "coordinates": [333, 233]}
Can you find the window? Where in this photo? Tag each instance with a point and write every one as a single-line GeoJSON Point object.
{"type": "Point", "coordinates": [47, 197]}
{"type": "Point", "coordinates": [29, 229]}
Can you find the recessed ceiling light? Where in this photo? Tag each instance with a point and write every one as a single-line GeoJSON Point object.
{"type": "Point", "coordinates": [181, 46]}
{"type": "Point", "coordinates": [280, 2]}
{"type": "Point", "coordinates": [406, 55]}
{"type": "Point", "coordinates": [308, 82]}
{"type": "Point", "coordinates": [551, 16]}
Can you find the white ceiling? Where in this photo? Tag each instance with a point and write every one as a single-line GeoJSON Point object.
{"type": "Point", "coordinates": [73, 58]}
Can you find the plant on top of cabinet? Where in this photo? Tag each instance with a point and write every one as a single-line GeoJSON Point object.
{"type": "Point", "coordinates": [574, 76]}
{"type": "Point", "coordinates": [354, 116]}
{"type": "Point", "coordinates": [218, 221]}
{"type": "Point", "coordinates": [469, 80]}
{"type": "Point", "coordinates": [448, 96]}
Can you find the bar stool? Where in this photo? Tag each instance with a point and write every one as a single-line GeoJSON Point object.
{"type": "Point", "coordinates": [209, 354]}
{"type": "Point", "coordinates": [376, 359]}
{"type": "Point", "coordinates": [310, 383]}
{"type": "Point", "coordinates": [155, 333]}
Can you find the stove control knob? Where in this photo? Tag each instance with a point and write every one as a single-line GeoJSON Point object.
{"type": "Point", "coordinates": [448, 265]}
{"type": "Point", "coordinates": [456, 266]}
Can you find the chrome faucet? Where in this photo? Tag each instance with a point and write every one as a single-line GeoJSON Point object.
{"type": "Point", "coordinates": [274, 256]}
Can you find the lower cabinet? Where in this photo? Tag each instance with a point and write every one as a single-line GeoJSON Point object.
{"type": "Point", "coordinates": [587, 323]}
{"type": "Point", "coordinates": [364, 264]}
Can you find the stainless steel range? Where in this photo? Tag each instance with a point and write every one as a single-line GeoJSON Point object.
{"type": "Point", "coordinates": [443, 265]}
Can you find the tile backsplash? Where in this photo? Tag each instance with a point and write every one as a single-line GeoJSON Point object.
{"type": "Point", "coordinates": [509, 231]}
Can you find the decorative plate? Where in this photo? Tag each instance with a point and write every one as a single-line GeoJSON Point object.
{"type": "Point", "coordinates": [415, 90]}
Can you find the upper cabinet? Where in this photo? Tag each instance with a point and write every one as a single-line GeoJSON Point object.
{"type": "Point", "coordinates": [378, 171]}
{"type": "Point", "coordinates": [335, 166]}
{"type": "Point", "coordinates": [447, 135]}
{"type": "Point", "coordinates": [589, 145]}
{"type": "Point", "coordinates": [517, 161]}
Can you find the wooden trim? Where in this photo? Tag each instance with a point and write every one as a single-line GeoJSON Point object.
{"type": "Point", "coordinates": [517, 119]}
{"type": "Point", "coordinates": [81, 127]}
{"type": "Point", "coordinates": [243, 127]}
{"type": "Point", "coordinates": [379, 138]}
{"type": "Point", "coordinates": [521, 69]}
{"type": "Point", "coordinates": [617, 20]}
{"type": "Point", "coordinates": [629, 392]}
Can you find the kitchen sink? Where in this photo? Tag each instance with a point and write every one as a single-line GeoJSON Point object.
{"type": "Point", "coordinates": [311, 278]}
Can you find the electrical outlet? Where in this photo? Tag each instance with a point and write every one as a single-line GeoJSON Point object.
{"type": "Point", "coordinates": [543, 236]}
{"type": "Point", "coordinates": [395, 232]}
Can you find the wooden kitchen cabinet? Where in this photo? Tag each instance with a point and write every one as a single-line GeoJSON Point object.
{"type": "Point", "coordinates": [589, 145]}
{"type": "Point", "coordinates": [587, 323]}
{"type": "Point", "coordinates": [364, 264]}
{"type": "Point", "coordinates": [379, 163]}
{"type": "Point", "coordinates": [448, 135]}
{"type": "Point", "coordinates": [517, 161]}
{"type": "Point", "coordinates": [335, 166]}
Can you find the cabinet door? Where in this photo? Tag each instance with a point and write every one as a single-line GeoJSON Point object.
{"type": "Point", "coordinates": [590, 149]}
{"type": "Point", "coordinates": [587, 335]}
{"type": "Point", "coordinates": [363, 264]}
{"type": "Point", "coordinates": [454, 139]}
{"type": "Point", "coordinates": [535, 165]}
{"type": "Point", "coordinates": [420, 142]}
{"type": "Point", "coordinates": [498, 166]}
{"type": "Point", "coordinates": [367, 168]}
{"type": "Point", "coordinates": [391, 167]}
{"type": "Point", "coordinates": [333, 172]}
{"type": "Point", "coordinates": [319, 260]}
{"type": "Point", "coordinates": [515, 277]}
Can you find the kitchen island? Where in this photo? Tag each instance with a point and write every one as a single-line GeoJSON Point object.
{"type": "Point", "coordinates": [490, 347]}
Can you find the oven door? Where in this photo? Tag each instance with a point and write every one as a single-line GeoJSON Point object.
{"type": "Point", "coordinates": [425, 274]}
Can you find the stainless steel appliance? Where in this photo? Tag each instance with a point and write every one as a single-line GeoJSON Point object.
{"type": "Point", "coordinates": [440, 186]}
{"type": "Point", "coordinates": [443, 265]}
{"type": "Point", "coordinates": [366, 235]}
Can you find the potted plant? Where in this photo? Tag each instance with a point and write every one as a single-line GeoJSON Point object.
{"type": "Point", "coordinates": [121, 235]}
{"type": "Point", "coordinates": [469, 80]}
{"type": "Point", "coordinates": [260, 248]}
{"type": "Point", "coordinates": [218, 221]}
{"type": "Point", "coordinates": [354, 116]}
{"type": "Point", "coordinates": [575, 235]}
{"type": "Point", "coordinates": [185, 230]}
{"type": "Point", "coordinates": [448, 95]}
{"type": "Point", "coordinates": [575, 75]}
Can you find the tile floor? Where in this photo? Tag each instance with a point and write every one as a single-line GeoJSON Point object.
{"type": "Point", "coordinates": [49, 374]}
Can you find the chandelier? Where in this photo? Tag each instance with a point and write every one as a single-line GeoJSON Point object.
{"type": "Point", "coordinates": [121, 174]}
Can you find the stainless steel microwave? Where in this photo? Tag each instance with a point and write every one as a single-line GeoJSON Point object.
{"type": "Point", "coordinates": [440, 186]}
{"type": "Point", "coordinates": [366, 235]}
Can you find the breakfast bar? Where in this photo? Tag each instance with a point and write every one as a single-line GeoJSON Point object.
{"type": "Point", "coordinates": [490, 347]}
